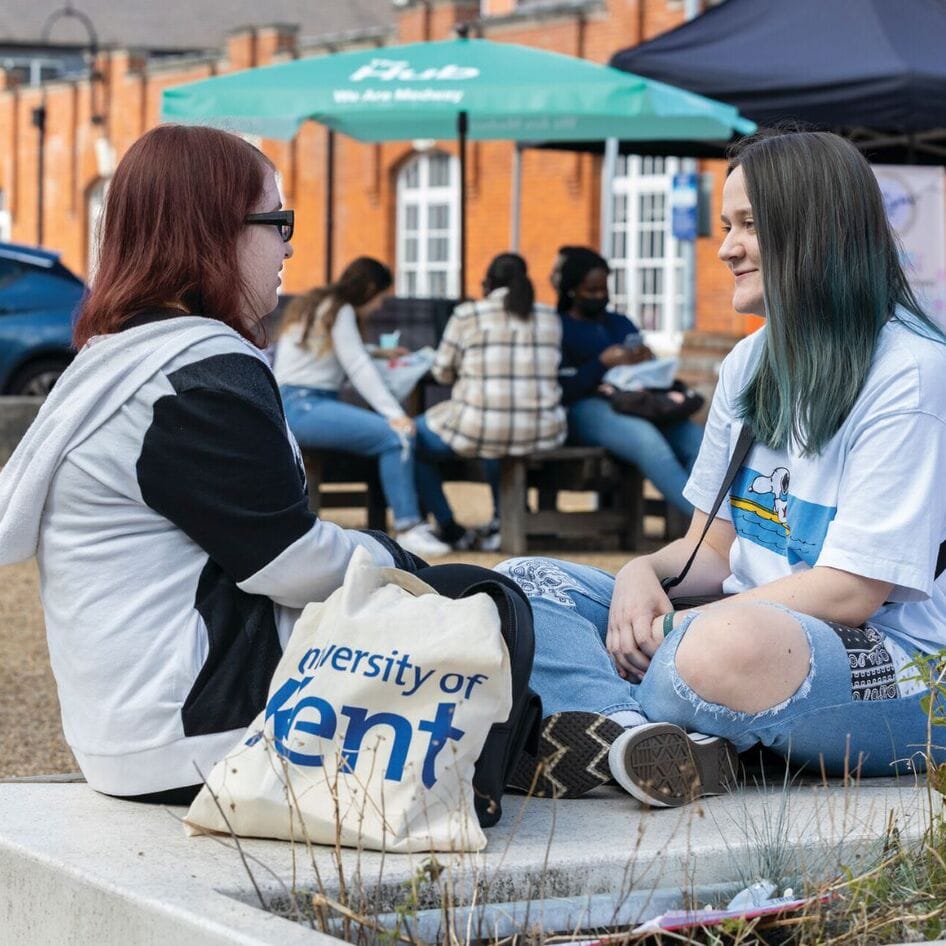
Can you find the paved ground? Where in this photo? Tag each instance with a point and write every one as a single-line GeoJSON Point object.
{"type": "Point", "coordinates": [31, 739]}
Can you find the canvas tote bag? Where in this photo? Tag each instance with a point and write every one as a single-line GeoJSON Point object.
{"type": "Point", "coordinates": [375, 718]}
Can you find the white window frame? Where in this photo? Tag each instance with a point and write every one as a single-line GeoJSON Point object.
{"type": "Point", "coordinates": [422, 197]}
{"type": "Point", "coordinates": [645, 183]}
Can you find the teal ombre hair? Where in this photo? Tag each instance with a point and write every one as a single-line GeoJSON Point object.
{"type": "Point", "coordinates": [831, 277]}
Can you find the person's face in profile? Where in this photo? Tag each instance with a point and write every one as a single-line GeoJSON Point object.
{"type": "Point", "coordinates": [261, 253]}
{"type": "Point", "coordinates": [740, 246]}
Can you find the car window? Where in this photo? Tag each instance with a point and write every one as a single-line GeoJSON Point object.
{"type": "Point", "coordinates": [10, 271]}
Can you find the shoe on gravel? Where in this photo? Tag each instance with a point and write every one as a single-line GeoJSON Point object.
{"type": "Point", "coordinates": [572, 758]}
{"type": "Point", "coordinates": [663, 766]}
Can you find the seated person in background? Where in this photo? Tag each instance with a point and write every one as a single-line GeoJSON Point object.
{"type": "Point", "coordinates": [592, 342]}
{"type": "Point", "coordinates": [320, 345]}
{"type": "Point", "coordinates": [502, 356]}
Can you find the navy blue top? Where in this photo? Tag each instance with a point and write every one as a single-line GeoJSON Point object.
{"type": "Point", "coordinates": [582, 343]}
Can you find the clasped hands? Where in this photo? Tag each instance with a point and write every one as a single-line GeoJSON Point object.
{"type": "Point", "coordinates": [636, 620]}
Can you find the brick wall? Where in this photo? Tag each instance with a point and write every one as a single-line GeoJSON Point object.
{"type": "Point", "coordinates": [560, 193]}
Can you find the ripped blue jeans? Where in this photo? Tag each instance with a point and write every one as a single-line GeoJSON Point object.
{"type": "Point", "coordinates": [858, 708]}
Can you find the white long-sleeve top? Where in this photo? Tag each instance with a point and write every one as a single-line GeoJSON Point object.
{"type": "Point", "coordinates": [164, 499]}
{"type": "Point", "coordinates": [317, 365]}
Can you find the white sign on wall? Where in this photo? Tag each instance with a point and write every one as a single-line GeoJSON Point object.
{"type": "Point", "coordinates": [915, 198]}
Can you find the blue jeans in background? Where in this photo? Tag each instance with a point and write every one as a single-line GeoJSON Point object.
{"type": "Point", "coordinates": [859, 703]}
{"type": "Point", "coordinates": [431, 449]}
{"type": "Point", "coordinates": [318, 419]}
{"type": "Point", "coordinates": [665, 454]}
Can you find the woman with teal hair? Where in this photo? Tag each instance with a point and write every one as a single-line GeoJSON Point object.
{"type": "Point", "coordinates": [822, 603]}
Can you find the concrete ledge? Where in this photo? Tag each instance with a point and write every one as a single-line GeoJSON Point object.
{"type": "Point", "coordinates": [16, 414]}
{"type": "Point", "coordinates": [78, 868]}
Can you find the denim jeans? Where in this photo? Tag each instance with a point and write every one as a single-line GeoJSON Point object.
{"type": "Point", "coordinates": [430, 449]}
{"type": "Point", "coordinates": [318, 419]}
{"type": "Point", "coordinates": [858, 704]}
{"type": "Point", "coordinates": [665, 455]}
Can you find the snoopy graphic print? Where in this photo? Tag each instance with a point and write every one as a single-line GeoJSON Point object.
{"type": "Point", "coordinates": [766, 513]}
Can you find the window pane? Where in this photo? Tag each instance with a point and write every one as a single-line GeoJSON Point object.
{"type": "Point", "coordinates": [411, 214]}
{"type": "Point", "coordinates": [620, 208]}
{"type": "Point", "coordinates": [437, 282]}
{"type": "Point", "coordinates": [411, 174]}
{"type": "Point", "coordinates": [410, 250]}
{"type": "Point", "coordinates": [660, 207]}
{"type": "Point", "coordinates": [620, 282]}
{"type": "Point", "coordinates": [438, 217]}
{"type": "Point", "coordinates": [438, 249]}
{"type": "Point", "coordinates": [411, 284]}
{"type": "Point", "coordinates": [619, 244]}
{"type": "Point", "coordinates": [10, 271]}
{"type": "Point", "coordinates": [438, 170]}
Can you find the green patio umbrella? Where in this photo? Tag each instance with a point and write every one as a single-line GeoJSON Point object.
{"type": "Point", "coordinates": [464, 88]}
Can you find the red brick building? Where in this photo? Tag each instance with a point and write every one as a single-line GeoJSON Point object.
{"type": "Point", "coordinates": [396, 201]}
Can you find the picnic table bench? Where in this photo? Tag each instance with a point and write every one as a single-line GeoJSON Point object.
{"type": "Point", "coordinates": [617, 523]}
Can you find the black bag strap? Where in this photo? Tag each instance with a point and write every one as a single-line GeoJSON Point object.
{"type": "Point", "coordinates": [941, 560]}
{"type": "Point", "coordinates": [740, 451]}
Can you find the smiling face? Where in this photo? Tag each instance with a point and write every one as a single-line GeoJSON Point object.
{"type": "Point", "coordinates": [740, 246]}
{"type": "Point", "coordinates": [261, 253]}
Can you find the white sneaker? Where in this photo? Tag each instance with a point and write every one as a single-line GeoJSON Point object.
{"type": "Point", "coordinates": [420, 540]}
{"type": "Point", "coordinates": [664, 767]}
{"type": "Point", "coordinates": [489, 539]}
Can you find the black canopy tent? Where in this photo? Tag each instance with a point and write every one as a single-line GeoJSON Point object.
{"type": "Point", "coordinates": [873, 70]}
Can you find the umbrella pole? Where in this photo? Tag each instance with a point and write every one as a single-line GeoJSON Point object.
{"type": "Point", "coordinates": [462, 127]}
{"type": "Point", "coordinates": [329, 202]}
{"type": "Point", "coordinates": [515, 209]}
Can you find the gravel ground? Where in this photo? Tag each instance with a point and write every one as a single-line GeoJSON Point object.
{"type": "Point", "coordinates": [31, 740]}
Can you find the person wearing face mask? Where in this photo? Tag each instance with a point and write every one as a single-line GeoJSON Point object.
{"type": "Point", "coordinates": [595, 339]}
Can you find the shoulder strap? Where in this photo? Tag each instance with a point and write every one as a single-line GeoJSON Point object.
{"type": "Point", "coordinates": [740, 451]}
{"type": "Point", "coordinates": [941, 560]}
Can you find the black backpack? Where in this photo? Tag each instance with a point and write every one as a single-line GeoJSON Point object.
{"type": "Point", "coordinates": [506, 740]}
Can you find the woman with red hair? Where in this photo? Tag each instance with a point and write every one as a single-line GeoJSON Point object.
{"type": "Point", "coordinates": [160, 488]}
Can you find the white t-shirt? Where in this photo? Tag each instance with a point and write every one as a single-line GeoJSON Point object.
{"type": "Point", "coordinates": [873, 503]}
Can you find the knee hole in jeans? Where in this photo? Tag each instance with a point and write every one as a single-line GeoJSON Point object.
{"type": "Point", "coordinates": [748, 658]}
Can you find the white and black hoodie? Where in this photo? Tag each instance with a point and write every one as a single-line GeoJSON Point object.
{"type": "Point", "coordinates": [165, 501]}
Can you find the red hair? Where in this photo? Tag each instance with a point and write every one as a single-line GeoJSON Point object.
{"type": "Point", "coordinates": [173, 218]}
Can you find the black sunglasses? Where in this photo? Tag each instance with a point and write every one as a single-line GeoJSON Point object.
{"type": "Point", "coordinates": [284, 219]}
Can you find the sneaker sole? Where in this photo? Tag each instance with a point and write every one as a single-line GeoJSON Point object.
{"type": "Point", "coordinates": [572, 759]}
{"type": "Point", "coordinates": [663, 767]}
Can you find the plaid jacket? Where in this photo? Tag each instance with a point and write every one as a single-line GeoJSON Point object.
{"type": "Point", "coordinates": [506, 400]}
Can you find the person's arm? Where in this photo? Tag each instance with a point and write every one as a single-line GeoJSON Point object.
{"type": "Point", "coordinates": [587, 369]}
{"type": "Point", "coordinates": [881, 545]}
{"type": "Point", "coordinates": [638, 599]}
{"type": "Point", "coordinates": [217, 462]}
{"type": "Point", "coordinates": [582, 381]}
{"type": "Point", "coordinates": [635, 625]}
{"type": "Point", "coordinates": [449, 355]}
{"type": "Point", "coordinates": [358, 366]}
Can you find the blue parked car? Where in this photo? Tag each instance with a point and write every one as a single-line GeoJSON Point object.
{"type": "Point", "coordinates": [38, 297]}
